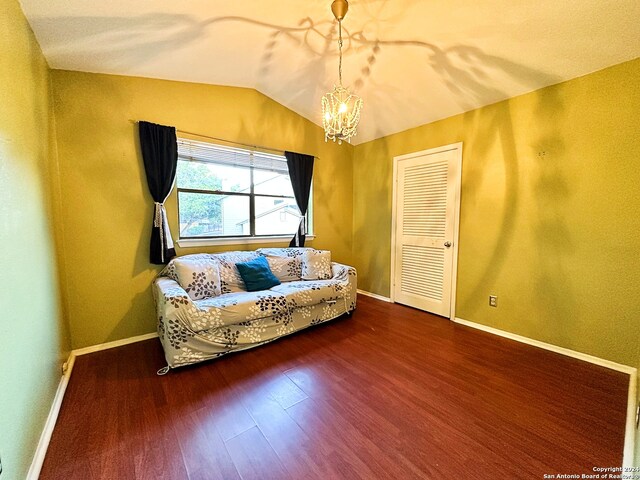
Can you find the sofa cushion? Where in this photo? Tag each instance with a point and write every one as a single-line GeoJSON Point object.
{"type": "Point", "coordinates": [198, 275]}
{"type": "Point", "coordinates": [230, 279]}
{"type": "Point", "coordinates": [316, 265]}
{"type": "Point", "coordinates": [304, 293]}
{"type": "Point", "coordinates": [237, 307]}
{"type": "Point", "coordinates": [257, 275]}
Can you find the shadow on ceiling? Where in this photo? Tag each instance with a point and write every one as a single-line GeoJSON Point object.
{"type": "Point", "coordinates": [123, 42]}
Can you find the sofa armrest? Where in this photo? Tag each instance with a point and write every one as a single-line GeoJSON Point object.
{"type": "Point", "coordinates": [348, 278]}
{"type": "Point", "coordinates": [172, 302]}
{"type": "Point", "coordinates": [166, 290]}
{"type": "Point", "coordinates": [342, 272]}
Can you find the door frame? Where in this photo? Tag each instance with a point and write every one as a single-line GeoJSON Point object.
{"type": "Point", "coordinates": [456, 218]}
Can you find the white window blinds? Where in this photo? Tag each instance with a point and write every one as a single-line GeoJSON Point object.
{"type": "Point", "coordinates": [192, 150]}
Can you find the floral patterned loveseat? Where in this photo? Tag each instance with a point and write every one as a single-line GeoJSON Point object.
{"type": "Point", "coordinates": [205, 312]}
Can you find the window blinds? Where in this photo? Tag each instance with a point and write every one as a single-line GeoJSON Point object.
{"type": "Point", "coordinates": [192, 150]}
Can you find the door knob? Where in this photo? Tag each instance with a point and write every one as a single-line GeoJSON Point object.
{"type": "Point", "coordinates": [447, 244]}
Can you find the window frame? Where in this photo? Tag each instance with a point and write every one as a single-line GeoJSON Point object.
{"type": "Point", "coordinates": [203, 240]}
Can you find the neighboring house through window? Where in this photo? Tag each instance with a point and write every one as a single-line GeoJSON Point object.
{"type": "Point", "coordinates": [232, 192]}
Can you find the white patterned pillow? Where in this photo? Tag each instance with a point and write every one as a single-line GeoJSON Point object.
{"type": "Point", "coordinates": [199, 275]}
{"type": "Point", "coordinates": [230, 279]}
{"type": "Point", "coordinates": [292, 252]}
{"type": "Point", "coordinates": [316, 265]}
{"type": "Point", "coordinates": [286, 269]}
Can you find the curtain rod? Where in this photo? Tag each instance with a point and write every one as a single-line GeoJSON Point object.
{"type": "Point", "coordinates": [257, 147]}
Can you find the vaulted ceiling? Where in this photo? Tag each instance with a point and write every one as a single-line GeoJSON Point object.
{"type": "Point", "coordinates": [412, 61]}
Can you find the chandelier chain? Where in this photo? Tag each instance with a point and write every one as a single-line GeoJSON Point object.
{"type": "Point", "coordinates": [340, 50]}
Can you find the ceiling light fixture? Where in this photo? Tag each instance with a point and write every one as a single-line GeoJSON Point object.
{"type": "Point", "coordinates": [340, 108]}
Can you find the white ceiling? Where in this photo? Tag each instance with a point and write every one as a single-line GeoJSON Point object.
{"type": "Point", "coordinates": [412, 61]}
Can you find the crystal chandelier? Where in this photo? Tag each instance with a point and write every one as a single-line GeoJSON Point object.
{"type": "Point", "coordinates": [340, 108]}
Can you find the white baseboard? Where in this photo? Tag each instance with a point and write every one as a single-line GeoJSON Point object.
{"type": "Point", "coordinates": [45, 437]}
{"type": "Point", "coordinates": [115, 343]}
{"type": "Point", "coordinates": [548, 346]}
{"type": "Point", "coordinates": [374, 295]}
{"type": "Point", "coordinates": [630, 426]}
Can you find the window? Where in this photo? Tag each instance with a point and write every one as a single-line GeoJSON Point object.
{"type": "Point", "coordinates": [231, 192]}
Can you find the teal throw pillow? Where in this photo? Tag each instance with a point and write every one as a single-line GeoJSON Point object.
{"type": "Point", "coordinates": [257, 275]}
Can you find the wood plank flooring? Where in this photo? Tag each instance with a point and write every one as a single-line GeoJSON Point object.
{"type": "Point", "coordinates": [391, 392]}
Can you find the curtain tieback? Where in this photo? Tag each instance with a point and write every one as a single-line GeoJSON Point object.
{"type": "Point", "coordinates": [157, 219]}
{"type": "Point", "coordinates": [159, 223]}
{"type": "Point", "coordinates": [303, 225]}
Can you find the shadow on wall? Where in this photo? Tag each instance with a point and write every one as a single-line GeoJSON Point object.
{"type": "Point", "coordinates": [476, 161]}
{"type": "Point", "coordinates": [372, 230]}
{"type": "Point", "coordinates": [39, 115]}
{"type": "Point", "coordinates": [479, 135]}
{"type": "Point", "coordinates": [552, 240]}
{"type": "Point", "coordinates": [141, 314]}
{"type": "Point", "coordinates": [551, 189]}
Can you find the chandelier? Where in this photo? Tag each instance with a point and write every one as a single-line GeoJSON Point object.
{"type": "Point", "coordinates": [340, 108]}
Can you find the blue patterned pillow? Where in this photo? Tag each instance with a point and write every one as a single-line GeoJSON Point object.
{"type": "Point", "coordinates": [257, 275]}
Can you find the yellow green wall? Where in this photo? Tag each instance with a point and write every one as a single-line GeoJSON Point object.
{"type": "Point", "coordinates": [106, 207]}
{"type": "Point", "coordinates": [33, 336]}
{"type": "Point", "coordinates": [549, 212]}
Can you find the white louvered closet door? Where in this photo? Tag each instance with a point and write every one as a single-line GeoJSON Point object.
{"type": "Point", "coordinates": [425, 207]}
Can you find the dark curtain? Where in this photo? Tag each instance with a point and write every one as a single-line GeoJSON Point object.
{"type": "Point", "coordinates": [160, 154]}
{"type": "Point", "coordinates": [300, 172]}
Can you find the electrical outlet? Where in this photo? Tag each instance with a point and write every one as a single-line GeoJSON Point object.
{"type": "Point", "coordinates": [493, 300]}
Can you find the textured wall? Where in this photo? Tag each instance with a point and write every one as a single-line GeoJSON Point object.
{"type": "Point", "coordinates": [549, 212]}
{"type": "Point", "coordinates": [106, 207]}
{"type": "Point", "coordinates": [33, 336]}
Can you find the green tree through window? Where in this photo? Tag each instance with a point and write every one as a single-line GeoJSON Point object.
{"type": "Point", "coordinates": [232, 192]}
{"type": "Point", "coordinates": [195, 208]}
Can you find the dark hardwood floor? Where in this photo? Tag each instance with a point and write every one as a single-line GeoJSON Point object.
{"type": "Point", "coordinates": [391, 392]}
